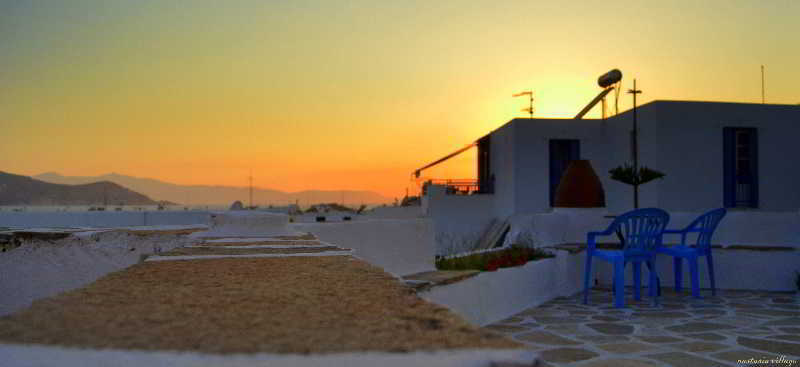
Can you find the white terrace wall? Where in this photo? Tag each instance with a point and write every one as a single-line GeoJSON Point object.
{"type": "Point", "coordinates": [102, 219]}
{"type": "Point", "coordinates": [399, 246]}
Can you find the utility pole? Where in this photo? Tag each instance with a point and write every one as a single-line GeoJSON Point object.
{"type": "Point", "coordinates": [762, 84]}
{"type": "Point", "coordinates": [635, 146]}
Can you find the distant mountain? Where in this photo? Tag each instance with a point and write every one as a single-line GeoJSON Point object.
{"type": "Point", "coordinates": [220, 195]}
{"type": "Point", "coordinates": [23, 190]}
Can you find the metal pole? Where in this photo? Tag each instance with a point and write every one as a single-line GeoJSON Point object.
{"type": "Point", "coordinates": [762, 84]}
{"type": "Point", "coordinates": [635, 145]}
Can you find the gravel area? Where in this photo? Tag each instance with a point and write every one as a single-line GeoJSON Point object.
{"type": "Point", "coordinates": [247, 305]}
{"type": "Point", "coordinates": [245, 251]}
{"type": "Point", "coordinates": [262, 243]}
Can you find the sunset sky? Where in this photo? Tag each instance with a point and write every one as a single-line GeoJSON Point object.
{"type": "Point", "coordinates": [348, 94]}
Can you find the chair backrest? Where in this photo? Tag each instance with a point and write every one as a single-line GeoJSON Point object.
{"type": "Point", "coordinates": [641, 230]}
{"type": "Point", "coordinates": [706, 224]}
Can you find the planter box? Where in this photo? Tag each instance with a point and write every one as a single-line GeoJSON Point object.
{"type": "Point", "coordinates": [492, 296]}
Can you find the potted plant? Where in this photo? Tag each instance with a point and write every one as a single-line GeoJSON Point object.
{"type": "Point", "coordinates": [633, 176]}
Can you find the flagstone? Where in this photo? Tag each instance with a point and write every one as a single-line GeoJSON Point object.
{"type": "Point", "coordinates": [787, 337]}
{"type": "Point", "coordinates": [619, 362]}
{"type": "Point", "coordinates": [698, 327]}
{"type": "Point", "coordinates": [568, 329]}
{"type": "Point", "coordinates": [625, 348]}
{"type": "Point", "coordinates": [611, 328]}
{"type": "Point", "coordinates": [736, 355]}
{"type": "Point", "coordinates": [700, 346]}
{"type": "Point", "coordinates": [567, 355]}
{"type": "Point", "coordinates": [789, 321]}
{"type": "Point", "coordinates": [602, 339]}
{"type": "Point", "coordinates": [773, 346]}
{"type": "Point", "coordinates": [660, 339]}
{"type": "Point", "coordinates": [605, 318]}
{"type": "Point", "coordinates": [706, 336]}
{"type": "Point", "coordinates": [500, 328]}
{"type": "Point", "coordinates": [559, 320]}
{"type": "Point", "coordinates": [682, 359]}
{"type": "Point", "coordinates": [544, 337]}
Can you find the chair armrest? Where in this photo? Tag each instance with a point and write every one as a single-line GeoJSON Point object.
{"type": "Point", "coordinates": [590, 238]}
{"type": "Point", "coordinates": [681, 232]}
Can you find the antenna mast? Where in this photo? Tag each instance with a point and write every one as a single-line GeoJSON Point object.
{"type": "Point", "coordinates": [530, 105]}
{"type": "Point", "coordinates": [762, 84]}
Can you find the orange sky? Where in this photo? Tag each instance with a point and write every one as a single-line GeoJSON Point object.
{"type": "Point", "coordinates": [348, 95]}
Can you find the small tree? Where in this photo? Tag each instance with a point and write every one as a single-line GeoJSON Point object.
{"type": "Point", "coordinates": [627, 174]}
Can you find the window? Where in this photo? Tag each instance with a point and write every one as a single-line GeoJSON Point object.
{"type": "Point", "coordinates": [485, 175]}
{"type": "Point", "coordinates": [562, 153]}
{"type": "Point", "coordinates": [740, 150]}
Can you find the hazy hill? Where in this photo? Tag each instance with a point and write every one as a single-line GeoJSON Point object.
{"type": "Point", "coordinates": [23, 190]}
{"type": "Point", "coordinates": [216, 195]}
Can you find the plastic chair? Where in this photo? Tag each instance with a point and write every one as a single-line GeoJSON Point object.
{"type": "Point", "coordinates": [704, 225]}
{"type": "Point", "coordinates": [640, 231]}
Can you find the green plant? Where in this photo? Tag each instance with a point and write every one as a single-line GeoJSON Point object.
{"type": "Point", "coordinates": [633, 176]}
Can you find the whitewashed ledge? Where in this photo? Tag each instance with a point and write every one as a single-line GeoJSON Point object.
{"type": "Point", "coordinates": [37, 356]}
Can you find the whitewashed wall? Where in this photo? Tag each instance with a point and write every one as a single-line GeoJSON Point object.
{"type": "Point", "coordinates": [690, 153]}
{"type": "Point", "coordinates": [101, 219]}
{"type": "Point", "coordinates": [458, 220]}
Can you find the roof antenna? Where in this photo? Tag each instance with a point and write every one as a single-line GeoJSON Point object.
{"type": "Point", "coordinates": [530, 106]}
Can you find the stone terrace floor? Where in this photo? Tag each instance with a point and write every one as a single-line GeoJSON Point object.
{"type": "Point", "coordinates": [680, 331]}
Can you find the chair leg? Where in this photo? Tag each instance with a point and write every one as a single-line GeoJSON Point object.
{"type": "Point", "coordinates": [619, 284]}
{"type": "Point", "coordinates": [587, 271]}
{"type": "Point", "coordinates": [693, 272]}
{"type": "Point", "coordinates": [637, 280]}
{"type": "Point", "coordinates": [653, 287]}
{"type": "Point", "coordinates": [677, 263]}
{"type": "Point", "coordinates": [710, 262]}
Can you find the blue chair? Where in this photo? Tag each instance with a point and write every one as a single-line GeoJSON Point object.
{"type": "Point", "coordinates": [704, 226]}
{"type": "Point", "coordinates": [640, 231]}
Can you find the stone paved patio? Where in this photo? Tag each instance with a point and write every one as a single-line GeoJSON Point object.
{"type": "Point", "coordinates": [680, 331]}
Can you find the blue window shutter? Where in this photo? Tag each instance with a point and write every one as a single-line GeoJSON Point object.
{"type": "Point", "coordinates": [754, 167]}
{"type": "Point", "coordinates": [728, 167]}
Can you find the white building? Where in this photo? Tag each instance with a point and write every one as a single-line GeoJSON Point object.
{"type": "Point", "coordinates": [736, 155]}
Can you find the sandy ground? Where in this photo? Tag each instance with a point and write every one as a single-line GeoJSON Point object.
{"type": "Point", "coordinates": [274, 305]}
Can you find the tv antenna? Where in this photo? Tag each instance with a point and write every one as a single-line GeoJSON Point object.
{"type": "Point", "coordinates": [528, 93]}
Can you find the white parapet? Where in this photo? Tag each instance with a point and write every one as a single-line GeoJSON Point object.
{"type": "Point", "coordinates": [247, 224]}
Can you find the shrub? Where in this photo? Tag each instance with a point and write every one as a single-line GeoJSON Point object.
{"type": "Point", "coordinates": [490, 261]}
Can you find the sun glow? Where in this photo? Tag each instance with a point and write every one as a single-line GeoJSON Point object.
{"type": "Point", "coordinates": [312, 94]}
